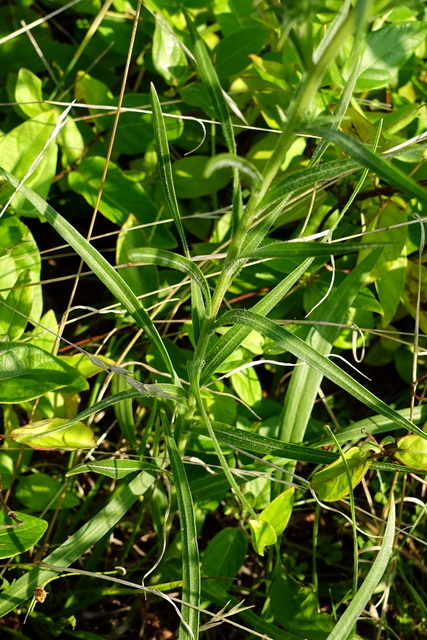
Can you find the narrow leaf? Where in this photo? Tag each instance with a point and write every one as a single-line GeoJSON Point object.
{"type": "Point", "coordinates": [383, 168]}
{"type": "Point", "coordinates": [77, 545]}
{"type": "Point", "coordinates": [346, 622]}
{"type": "Point", "coordinates": [165, 168]}
{"type": "Point", "coordinates": [173, 261]}
{"type": "Point", "coordinates": [190, 551]}
{"type": "Point", "coordinates": [99, 265]}
{"type": "Point", "coordinates": [223, 160]}
{"type": "Point", "coordinates": [329, 369]}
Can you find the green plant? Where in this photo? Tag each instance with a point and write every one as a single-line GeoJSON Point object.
{"type": "Point", "coordinates": [199, 431]}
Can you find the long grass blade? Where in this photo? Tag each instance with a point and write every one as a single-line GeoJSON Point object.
{"type": "Point", "coordinates": [175, 261]}
{"type": "Point", "coordinates": [381, 167]}
{"type": "Point", "coordinates": [78, 544]}
{"type": "Point", "coordinates": [190, 553]}
{"type": "Point", "coordinates": [99, 265]}
{"type": "Point", "coordinates": [346, 623]}
{"type": "Point", "coordinates": [165, 167]}
{"type": "Point", "coordinates": [329, 369]}
{"type": "Point", "coordinates": [305, 380]}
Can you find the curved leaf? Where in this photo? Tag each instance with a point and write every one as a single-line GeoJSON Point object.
{"type": "Point", "coordinates": [99, 265]}
{"type": "Point", "coordinates": [54, 433]}
{"type": "Point", "coordinates": [173, 261]}
{"type": "Point", "coordinates": [22, 537]}
{"type": "Point", "coordinates": [332, 484]}
{"type": "Point", "coordinates": [223, 160]}
{"type": "Point", "coordinates": [330, 370]}
{"type": "Point", "coordinates": [383, 168]}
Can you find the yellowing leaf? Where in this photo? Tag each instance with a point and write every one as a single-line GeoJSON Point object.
{"type": "Point", "coordinates": [412, 451]}
{"type": "Point", "coordinates": [55, 433]}
{"type": "Point", "coordinates": [331, 483]}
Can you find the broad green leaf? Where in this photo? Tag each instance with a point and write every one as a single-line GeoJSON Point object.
{"type": "Point", "coordinates": [135, 131]}
{"type": "Point", "coordinates": [247, 385]}
{"type": "Point", "coordinates": [232, 53]}
{"type": "Point", "coordinates": [39, 491]}
{"type": "Point", "coordinates": [412, 451]}
{"type": "Point", "coordinates": [93, 92]}
{"type": "Point", "coordinates": [100, 266]}
{"type": "Point", "coordinates": [19, 253]}
{"type": "Point", "coordinates": [21, 538]}
{"type": "Point", "coordinates": [114, 468]}
{"type": "Point", "coordinates": [390, 215]}
{"type": "Point", "coordinates": [279, 511]}
{"type": "Point", "coordinates": [14, 314]}
{"type": "Point", "coordinates": [331, 483]}
{"type": "Point", "coordinates": [78, 544]}
{"type": "Point", "coordinates": [19, 148]}
{"type": "Point", "coordinates": [224, 556]}
{"type": "Point", "coordinates": [28, 93]}
{"type": "Point", "coordinates": [390, 288]}
{"type": "Point", "coordinates": [121, 196]}
{"type": "Point", "coordinates": [345, 625]}
{"type": "Point", "coordinates": [263, 535]}
{"type": "Point", "coordinates": [54, 433]}
{"type": "Point", "coordinates": [71, 143]}
{"type": "Point", "coordinates": [304, 352]}
{"type": "Point", "coordinates": [387, 49]}
{"type": "Point", "coordinates": [28, 372]}
{"type": "Point", "coordinates": [168, 57]}
{"type": "Point", "coordinates": [231, 19]}
{"type": "Point", "coordinates": [190, 181]}
{"type": "Point", "coordinates": [296, 607]}
{"type": "Point", "coordinates": [41, 338]}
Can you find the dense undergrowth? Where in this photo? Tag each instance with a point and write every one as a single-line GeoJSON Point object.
{"type": "Point", "coordinates": [212, 319]}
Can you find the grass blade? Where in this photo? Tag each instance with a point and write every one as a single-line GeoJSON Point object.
{"type": "Point", "coordinates": [305, 380]}
{"type": "Point", "coordinates": [99, 265]}
{"type": "Point", "coordinates": [228, 342]}
{"type": "Point", "coordinates": [190, 552]}
{"type": "Point", "coordinates": [165, 167]}
{"type": "Point", "coordinates": [346, 623]}
{"type": "Point", "coordinates": [329, 369]}
{"type": "Point", "coordinates": [78, 544]}
{"type": "Point", "coordinates": [383, 169]}
{"type": "Point", "coordinates": [175, 261]}
{"type": "Point", "coordinates": [305, 250]}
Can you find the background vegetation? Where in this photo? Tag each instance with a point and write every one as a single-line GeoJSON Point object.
{"type": "Point", "coordinates": [212, 288]}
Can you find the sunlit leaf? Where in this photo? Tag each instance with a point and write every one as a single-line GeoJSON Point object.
{"type": "Point", "coordinates": [55, 434]}
{"type": "Point", "coordinates": [22, 537]}
{"type": "Point", "coordinates": [331, 483]}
